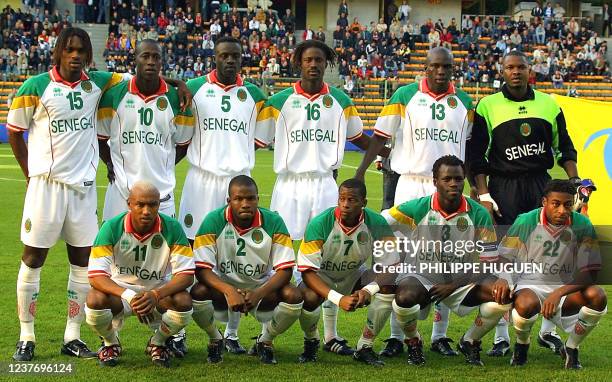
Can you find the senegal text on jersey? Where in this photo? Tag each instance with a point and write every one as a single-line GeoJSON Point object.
{"type": "Point", "coordinates": [341, 267]}
{"type": "Point", "coordinates": [313, 135]}
{"type": "Point", "coordinates": [229, 266]}
{"type": "Point", "coordinates": [139, 136]}
{"type": "Point", "coordinates": [441, 135]}
{"type": "Point", "coordinates": [142, 273]}
{"type": "Point", "coordinates": [75, 124]}
{"type": "Point", "coordinates": [517, 152]}
{"type": "Point", "coordinates": [224, 124]}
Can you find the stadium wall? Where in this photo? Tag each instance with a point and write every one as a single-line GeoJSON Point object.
{"type": "Point", "coordinates": [441, 9]}
{"type": "Point", "coordinates": [365, 11]}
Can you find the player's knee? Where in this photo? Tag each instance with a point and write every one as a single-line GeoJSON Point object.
{"type": "Point", "coordinates": [34, 257]}
{"type": "Point", "coordinates": [200, 292]}
{"type": "Point", "coordinates": [387, 289]}
{"type": "Point", "coordinates": [311, 300]}
{"type": "Point", "coordinates": [527, 305]}
{"type": "Point", "coordinates": [97, 300]}
{"type": "Point", "coordinates": [181, 301]}
{"type": "Point", "coordinates": [596, 297]}
{"type": "Point", "coordinates": [405, 298]}
{"type": "Point", "coordinates": [291, 295]}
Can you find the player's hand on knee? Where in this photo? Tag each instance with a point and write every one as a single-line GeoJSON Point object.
{"type": "Point", "coordinates": [144, 303]}
{"type": "Point", "coordinates": [441, 291]}
{"type": "Point", "coordinates": [145, 319]}
{"type": "Point", "coordinates": [363, 298]}
{"type": "Point", "coordinates": [549, 306]}
{"type": "Point", "coordinates": [252, 299]}
{"type": "Point", "coordinates": [501, 291]}
{"type": "Point", "coordinates": [235, 300]}
{"type": "Point", "coordinates": [348, 303]}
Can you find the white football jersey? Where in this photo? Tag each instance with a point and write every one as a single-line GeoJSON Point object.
{"type": "Point", "coordinates": [224, 139]}
{"type": "Point", "coordinates": [309, 130]}
{"type": "Point", "coordinates": [60, 118]}
{"type": "Point", "coordinates": [425, 126]}
{"type": "Point", "coordinates": [143, 132]}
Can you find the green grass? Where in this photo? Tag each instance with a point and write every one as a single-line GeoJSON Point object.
{"type": "Point", "coordinates": [134, 364]}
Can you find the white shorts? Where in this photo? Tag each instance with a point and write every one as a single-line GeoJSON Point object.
{"type": "Point", "coordinates": [566, 323]}
{"type": "Point", "coordinates": [115, 203]}
{"type": "Point", "coordinates": [453, 302]}
{"type": "Point", "coordinates": [53, 210]}
{"type": "Point", "coordinates": [346, 285]}
{"type": "Point", "coordinates": [299, 198]}
{"type": "Point", "coordinates": [411, 187]}
{"type": "Point", "coordinates": [261, 316]}
{"type": "Point", "coordinates": [203, 192]}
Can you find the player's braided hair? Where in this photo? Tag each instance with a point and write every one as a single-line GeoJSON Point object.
{"type": "Point", "coordinates": [560, 185]}
{"type": "Point", "coordinates": [449, 160]}
{"type": "Point", "coordinates": [330, 54]}
{"type": "Point", "coordinates": [241, 180]}
{"type": "Point", "coordinates": [355, 184]}
{"type": "Point", "coordinates": [64, 38]}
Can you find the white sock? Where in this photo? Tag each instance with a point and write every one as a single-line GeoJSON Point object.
{"type": "Point", "coordinates": [407, 319]}
{"type": "Point", "coordinates": [231, 330]}
{"type": "Point", "coordinates": [203, 315]}
{"type": "Point", "coordinates": [171, 323]}
{"type": "Point", "coordinates": [28, 286]}
{"type": "Point", "coordinates": [308, 323]}
{"type": "Point", "coordinates": [587, 319]}
{"type": "Point", "coordinates": [547, 327]}
{"type": "Point", "coordinates": [522, 327]}
{"type": "Point", "coordinates": [488, 316]}
{"type": "Point", "coordinates": [78, 287]}
{"type": "Point", "coordinates": [378, 314]}
{"type": "Point", "coordinates": [330, 320]}
{"type": "Point", "coordinates": [440, 322]}
{"type": "Point", "coordinates": [396, 328]}
{"type": "Point", "coordinates": [501, 330]}
{"type": "Point", "coordinates": [284, 316]}
{"type": "Point", "coordinates": [101, 322]}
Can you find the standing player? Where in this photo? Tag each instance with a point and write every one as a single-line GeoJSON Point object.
{"type": "Point", "coordinates": [142, 128]}
{"type": "Point", "coordinates": [332, 258]}
{"type": "Point", "coordinates": [226, 109]}
{"type": "Point", "coordinates": [131, 262]}
{"type": "Point", "coordinates": [564, 243]}
{"type": "Point", "coordinates": [426, 120]}
{"type": "Point", "coordinates": [518, 134]}
{"type": "Point", "coordinates": [309, 124]}
{"type": "Point", "coordinates": [446, 217]}
{"type": "Point", "coordinates": [244, 261]}
{"type": "Point", "coordinates": [59, 162]}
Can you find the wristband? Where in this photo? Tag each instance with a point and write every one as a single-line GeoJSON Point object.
{"type": "Point", "coordinates": [128, 295]}
{"type": "Point", "coordinates": [334, 297]}
{"type": "Point", "coordinates": [156, 294]}
{"type": "Point", "coordinates": [486, 198]}
{"type": "Point", "coordinates": [372, 288]}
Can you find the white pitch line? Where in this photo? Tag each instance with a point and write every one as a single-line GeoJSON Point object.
{"type": "Point", "coordinates": [355, 168]}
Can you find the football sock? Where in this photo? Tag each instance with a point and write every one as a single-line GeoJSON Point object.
{"type": "Point", "coordinates": [547, 327]}
{"type": "Point", "coordinates": [231, 329]}
{"type": "Point", "coordinates": [28, 286]}
{"type": "Point", "coordinates": [440, 322]}
{"type": "Point", "coordinates": [308, 323]}
{"type": "Point", "coordinates": [396, 329]}
{"type": "Point", "coordinates": [284, 316]}
{"type": "Point", "coordinates": [587, 319]}
{"type": "Point", "coordinates": [101, 322]}
{"type": "Point", "coordinates": [203, 315]}
{"type": "Point", "coordinates": [501, 330]}
{"type": "Point", "coordinates": [407, 319]}
{"type": "Point", "coordinates": [330, 320]}
{"type": "Point", "coordinates": [171, 323]}
{"type": "Point", "coordinates": [378, 314]}
{"type": "Point", "coordinates": [488, 316]}
{"type": "Point", "coordinates": [522, 327]}
{"type": "Point", "coordinates": [78, 287]}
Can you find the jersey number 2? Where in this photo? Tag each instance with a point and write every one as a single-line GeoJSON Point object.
{"type": "Point", "coordinates": [241, 244]}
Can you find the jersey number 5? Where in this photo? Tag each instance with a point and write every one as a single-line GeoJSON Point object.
{"type": "Point", "coordinates": [225, 103]}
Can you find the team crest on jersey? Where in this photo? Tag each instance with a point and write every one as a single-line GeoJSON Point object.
{"type": "Point", "coordinates": [431, 220]}
{"type": "Point", "coordinates": [422, 102]}
{"type": "Point", "coordinates": [241, 94]}
{"type": "Point", "coordinates": [296, 104]}
{"type": "Point", "coordinates": [188, 220]}
{"type": "Point", "coordinates": [362, 237]}
{"type": "Point", "coordinates": [162, 103]}
{"type": "Point", "coordinates": [229, 234]}
{"type": "Point", "coordinates": [328, 101]}
{"type": "Point", "coordinates": [124, 245]}
{"type": "Point", "coordinates": [525, 129]}
{"type": "Point", "coordinates": [210, 93]}
{"type": "Point", "coordinates": [57, 92]}
{"type": "Point", "coordinates": [451, 102]}
{"type": "Point", "coordinates": [336, 239]}
{"type": "Point", "coordinates": [157, 242]}
{"type": "Point", "coordinates": [27, 225]}
{"type": "Point", "coordinates": [129, 103]}
{"type": "Point", "coordinates": [538, 238]}
{"type": "Point", "coordinates": [565, 237]}
{"type": "Point", "coordinates": [86, 86]}
{"type": "Point", "coordinates": [462, 224]}
{"type": "Point", "coordinates": [257, 236]}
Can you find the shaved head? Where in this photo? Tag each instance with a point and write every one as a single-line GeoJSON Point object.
{"type": "Point", "coordinates": [143, 188]}
{"type": "Point", "coordinates": [143, 203]}
{"type": "Point", "coordinates": [147, 43]}
{"type": "Point", "coordinates": [439, 50]}
{"type": "Point", "coordinates": [439, 69]}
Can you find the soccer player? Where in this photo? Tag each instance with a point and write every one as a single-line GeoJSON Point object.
{"type": "Point", "coordinates": [244, 261]}
{"type": "Point", "coordinates": [143, 131]}
{"type": "Point", "coordinates": [309, 124]}
{"type": "Point", "coordinates": [333, 258]}
{"type": "Point", "coordinates": [226, 109]}
{"type": "Point", "coordinates": [446, 217]}
{"type": "Point", "coordinates": [518, 135]}
{"type": "Point", "coordinates": [564, 243]}
{"type": "Point", "coordinates": [59, 162]}
{"type": "Point", "coordinates": [132, 259]}
{"type": "Point", "coordinates": [426, 120]}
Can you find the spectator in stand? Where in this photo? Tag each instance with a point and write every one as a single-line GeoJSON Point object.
{"type": "Point", "coordinates": [381, 27]}
{"type": "Point", "coordinates": [446, 39]}
{"type": "Point", "coordinates": [557, 80]}
{"type": "Point", "coordinates": [433, 38]}
{"type": "Point", "coordinates": [343, 8]}
{"type": "Point", "coordinates": [343, 22]}
{"type": "Point", "coordinates": [404, 12]}
{"type": "Point", "coordinates": [308, 33]}
{"type": "Point", "coordinates": [320, 35]}
{"type": "Point", "coordinates": [558, 12]}
{"type": "Point", "coordinates": [607, 20]}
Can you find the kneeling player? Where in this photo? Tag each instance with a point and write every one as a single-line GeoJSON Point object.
{"type": "Point", "coordinates": [130, 264]}
{"type": "Point", "coordinates": [564, 243]}
{"type": "Point", "coordinates": [332, 259]}
{"type": "Point", "coordinates": [244, 262]}
{"type": "Point", "coordinates": [448, 218]}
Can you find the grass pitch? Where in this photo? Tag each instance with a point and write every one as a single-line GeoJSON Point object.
{"type": "Point", "coordinates": [51, 317]}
